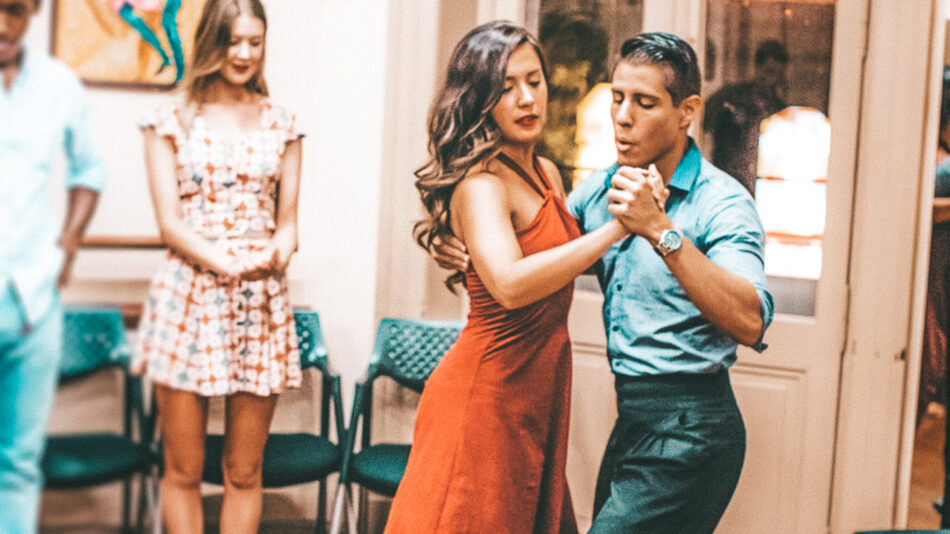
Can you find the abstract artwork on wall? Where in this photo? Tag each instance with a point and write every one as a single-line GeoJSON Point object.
{"type": "Point", "coordinates": [137, 43]}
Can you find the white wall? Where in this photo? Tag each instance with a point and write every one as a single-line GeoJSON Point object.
{"type": "Point", "coordinates": [326, 60]}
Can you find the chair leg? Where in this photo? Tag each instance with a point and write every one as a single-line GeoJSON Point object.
{"type": "Point", "coordinates": [321, 526]}
{"type": "Point", "coordinates": [338, 503]}
{"type": "Point", "coordinates": [341, 505]}
{"type": "Point", "coordinates": [154, 504]}
{"type": "Point", "coordinates": [364, 510]}
{"type": "Point", "coordinates": [351, 513]}
{"type": "Point", "coordinates": [142, 503]}
{"type": "Point", "coordinates": [126, 505]}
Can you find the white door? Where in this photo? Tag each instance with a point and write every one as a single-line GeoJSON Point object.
{"type": "Point", "coordinates": [789, 393]}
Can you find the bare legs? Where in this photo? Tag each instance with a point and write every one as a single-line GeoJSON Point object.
{"type": "Point", "coordinates": [183, 419]}
{"type": "Point", "coordinates": [248, 422]}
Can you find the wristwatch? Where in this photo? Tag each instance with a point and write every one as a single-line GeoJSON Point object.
{"type": "Point", "coordinates": [670, 241]}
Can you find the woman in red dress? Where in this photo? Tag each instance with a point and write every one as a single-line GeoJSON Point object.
{"type": "Point", "coordinates": [490, 441]}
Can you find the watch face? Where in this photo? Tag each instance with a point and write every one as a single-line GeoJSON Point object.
{"type": "Point", "coordinates": [671, 240]}
{"type": "Point", "coordinates": [674, 240]}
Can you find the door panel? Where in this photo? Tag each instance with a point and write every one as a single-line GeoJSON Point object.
{"type": "Point", "coordinates": [769, 493]}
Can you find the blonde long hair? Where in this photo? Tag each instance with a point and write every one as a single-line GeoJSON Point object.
{"type": "Point", "coordinates": [462, 131]}
{"type": "Point", "coordinates": [212, 40]}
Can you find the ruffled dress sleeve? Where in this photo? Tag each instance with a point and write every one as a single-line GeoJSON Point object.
{"type": "Point", "coordinates": [286, 123]}
{"type": "Point", "coordinates": [293, 130]}
{"type": "Point", "coordinates": [164, 119]}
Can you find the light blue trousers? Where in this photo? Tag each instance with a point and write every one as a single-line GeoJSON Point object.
{"type": "Point", "coordinates": [29, 362]}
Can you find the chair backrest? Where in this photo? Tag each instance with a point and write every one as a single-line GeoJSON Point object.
{"type": "Point", "coordinates": [407, 350]}
{"type": "Point", "coordinates": [313, 354]}
{"type": "Point", "coordinates": [93, 338]}
{"type": "Point", "coordinates": [313, 349]}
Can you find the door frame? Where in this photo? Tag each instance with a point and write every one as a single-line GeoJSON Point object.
{"type": "Point", "coordinates": [881, 357]}
{"type": "Point", "coordinates": [921, 261]}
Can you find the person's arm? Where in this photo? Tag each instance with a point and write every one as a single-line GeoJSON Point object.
{"type": "Point", "coordinates": [480, 203]}
{"type": "Point", "coordinates": [727, 300]}
{"type": "Point", "coordinates": [163, 186]}
{"type": "Point", "coordinates": [82, 204]}
{"type": "Point", "coordinates": [284, 239]}
{"type": "Point", "coordinates": [86, 175]}
{"type": "Point", "coordinates": [941, 209]}
{"type": "Point", "coordinates": [450, 252]}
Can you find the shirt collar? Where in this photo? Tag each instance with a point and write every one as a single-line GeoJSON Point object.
{"type": "Point", "coordinates": [686, 170]}
{"type": "Point", "coordinates": [27, 64]}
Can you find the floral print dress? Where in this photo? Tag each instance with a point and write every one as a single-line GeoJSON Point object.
{"type": "Point", "coordinates": [199, 332]}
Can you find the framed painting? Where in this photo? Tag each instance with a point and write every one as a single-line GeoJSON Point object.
{"type": "Point", "coordinates": [125, 43]}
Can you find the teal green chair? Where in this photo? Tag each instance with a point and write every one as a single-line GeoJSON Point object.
{"type": "Point", "coordinates": [94, 341]}
{"type": "Point", "coordinates": [406, 351]}
{"type": "Point", "coordinates": [298, 458]}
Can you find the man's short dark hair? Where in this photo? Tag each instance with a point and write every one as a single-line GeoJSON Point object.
{"type": "Point", "coordinates": [771, 49]}
{"type": "Point", "coordinates": [675, 55]}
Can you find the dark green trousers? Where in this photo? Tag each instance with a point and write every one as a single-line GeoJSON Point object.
{"type": "Point", "coordinates": [674, 456]}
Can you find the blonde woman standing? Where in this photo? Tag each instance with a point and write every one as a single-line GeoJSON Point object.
{"type": "Point", "coordinates": [223, 169]}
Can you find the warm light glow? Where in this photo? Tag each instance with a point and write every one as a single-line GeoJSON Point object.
{"type": "Point", "coordinates": [794, 145]}
{"type": "Point", "coordinates": [595, 133]}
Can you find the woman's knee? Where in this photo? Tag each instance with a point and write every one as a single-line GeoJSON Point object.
{"type": "Point", "coordinates": [242, 473]}
{"type": "Point", "coordinates": [184, 472]}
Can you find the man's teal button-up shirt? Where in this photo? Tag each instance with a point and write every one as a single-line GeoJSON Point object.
{"type": "Point", "coordinates": [652, 327]}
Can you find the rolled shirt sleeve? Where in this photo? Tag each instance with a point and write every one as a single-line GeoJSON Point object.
{"type": "Point", "coordinates": [735, 240]}
{"type": "Point", "coordinates": [86, 165]}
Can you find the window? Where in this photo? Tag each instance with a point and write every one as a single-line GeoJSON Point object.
{"type": "Point", "coordinates": [766, 84]}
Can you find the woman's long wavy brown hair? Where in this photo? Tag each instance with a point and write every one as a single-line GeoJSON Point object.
{"type": "Point", "coordinates": [462, 131]}
{"type": "Point", "coordinates": [212, 40]}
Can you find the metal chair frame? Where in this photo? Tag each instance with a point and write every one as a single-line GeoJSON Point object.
{"type": "Point", "coordinates": [407, 351]}
{"type": "Point", "coordinates": [97, 335]}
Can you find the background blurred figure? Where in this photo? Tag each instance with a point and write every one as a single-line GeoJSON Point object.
{"type": "Point", "coordinates": [576, 53]}
{"type": "Point", "coordinates": [734, 112]}
{"type": "Point", "coordinates": [933, 376]}
{"type": "Point", "coordinates": [44, 113]}
{"type": "Point", "coordinates": [934, 363]}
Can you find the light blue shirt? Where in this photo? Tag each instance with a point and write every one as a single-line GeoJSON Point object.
{"type": "Point", "coordinates": [942, 183]}
{"type": "Point", "coordinates": [652, 327]}
{"type": "Point", "coordinates": [43, 115]}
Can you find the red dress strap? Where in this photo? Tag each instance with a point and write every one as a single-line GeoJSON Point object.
{"type": "Point", "coordinates": [511, 164]}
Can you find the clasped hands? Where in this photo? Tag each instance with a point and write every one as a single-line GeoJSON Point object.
{"type": "Point", "coordinates": [637, 198]}
{"type": "Point", "coordinates": [255, 265]}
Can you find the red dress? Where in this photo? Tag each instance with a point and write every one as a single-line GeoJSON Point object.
{"type": "Point", "coordinates": [490, 442]}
